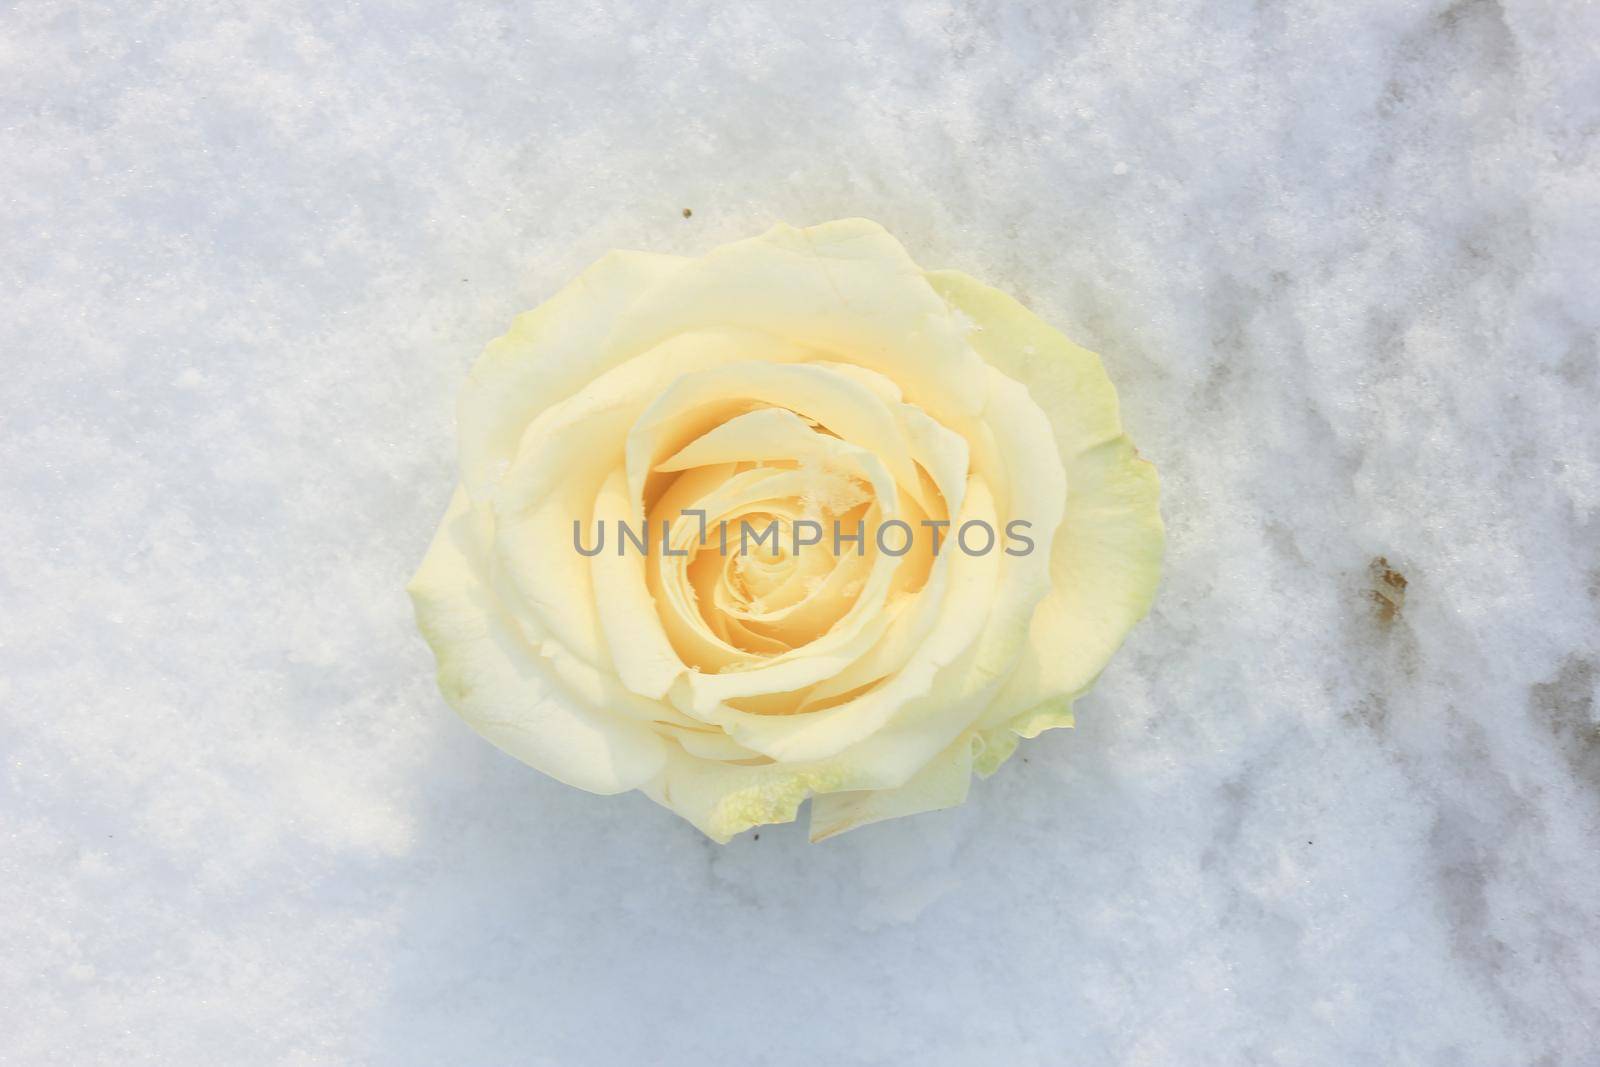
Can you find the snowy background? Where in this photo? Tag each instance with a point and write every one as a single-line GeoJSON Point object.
{"type": "Point", "coordinates": [1343, 261]}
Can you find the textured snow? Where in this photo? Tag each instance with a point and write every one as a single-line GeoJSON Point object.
{"type": "Point", "coordinates": [1342, 262]}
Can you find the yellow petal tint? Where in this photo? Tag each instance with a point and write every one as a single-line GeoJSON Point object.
{"type": "Point", "coordinates": [803, 382]}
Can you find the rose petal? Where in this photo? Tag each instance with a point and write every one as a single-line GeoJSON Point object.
{"type": "Point", "coordinates": [943, 783]}
{"type": "Point", "coordinates": [1105, 560]}
{"type": "Point", "coordinates": [505, 691]}
{"type": "Point", "coordinates": [549, 354]}
{"type": "Point", "coordinates": [847, 287]}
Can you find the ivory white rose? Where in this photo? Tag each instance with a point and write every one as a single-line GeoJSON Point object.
{"type": "Point", "coordinates": [805, 376]}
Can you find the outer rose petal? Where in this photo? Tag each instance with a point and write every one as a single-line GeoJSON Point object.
{"type": "Point", "coordinates": [1105, 562]}
{"type": "Point", "coordinates": [503, 689]}
{"type": "Point", "coordinates": [943, 783]}
{"type": "Point", "coordinates": [846, 287]}
{"type": "Point", "coordinates": [1104, 568]}
{"type": "Point", "coordinates": [1066, 380]}
{"type": "Point", "coordinates": [549, 354]}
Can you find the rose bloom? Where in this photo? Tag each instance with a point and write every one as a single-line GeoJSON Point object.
{"type": "Point", "coordinates": [806, 375]}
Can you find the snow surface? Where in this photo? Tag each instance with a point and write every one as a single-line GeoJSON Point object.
{"type": "Point", "coordinates": [1342, 261]}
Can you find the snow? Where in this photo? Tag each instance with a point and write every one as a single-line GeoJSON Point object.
{"type": "Point", "coordinates": [1340, 259]}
